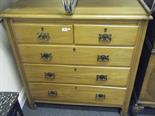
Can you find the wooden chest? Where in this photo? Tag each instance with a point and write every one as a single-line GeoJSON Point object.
{"type": "Point", "coordinates": [88, 58]}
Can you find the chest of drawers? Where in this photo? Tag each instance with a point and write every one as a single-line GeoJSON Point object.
{"type": "Point", "coordinates": [88, 58]}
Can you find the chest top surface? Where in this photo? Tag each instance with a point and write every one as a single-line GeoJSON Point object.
{"type": "Point", "coordinates": [98, 9]}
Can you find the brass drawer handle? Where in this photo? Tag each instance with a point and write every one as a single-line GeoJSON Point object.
{"type": "Point", "coordinates": [46, 56]}
{"type": "Point", "coordinates": [103, 58]}
{"type": "Point", "coordinates": [101, 78]}
{"type": "Point", "coordinates": [52, 93]}
{"type": "Point", "coordinates": [100, 96]}
{"type": "Point", "coordinates": [49, 75]}
{"type": "Point", "coordinates": [105, 37]}
{"type": "Point", "coordinates": [43, 36]}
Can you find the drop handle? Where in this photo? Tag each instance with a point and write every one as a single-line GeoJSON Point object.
{"type": "Point", "coordinates": [100, 96]}
{"type": "Point", "coordinates": [43, 36]}
{"type": "Point", "coordinates": [103, 58]}
{"type": "Point", "coordinates": [105, 37]}
{"type": "Point", "coordinates": [49, 75]}
{"type": "Point", "coordinates": [101, 77]}
{"type": "Point", "coordinates": [46, 56]}
{"type": "Point", "coordinates": [52, 93]}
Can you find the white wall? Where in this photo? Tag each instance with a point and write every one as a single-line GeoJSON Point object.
{"type": "Point", "coordinates": [9, 78]}
{"type": "Point", "coordinates": [5, 3]}
{"type": "Point", "coordinates": [9, 75]}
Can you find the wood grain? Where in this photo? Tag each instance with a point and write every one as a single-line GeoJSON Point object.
{"type": "Point", "coordinates": [7, 24]}
{"type": "Point", "coordinates": [86, 9]}
{"type": "Point", "coordinates": [28, 16]}
{"type": "Point", "coordinates": [81, 55]}
{"type": "Point", "coordinates": [134, 66]}
{"type": "Point", "coordinates": [120, 34]}
{"type": "Point", "coordinates": [77, 93]}
{"type": "Point", "coordinates": [28, 33]}
{"type": "Point", "coordinates": [116, 76]}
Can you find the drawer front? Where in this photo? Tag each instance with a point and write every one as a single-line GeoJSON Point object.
{"type": "Point", "coordinates": [77, 93]}
{"type": "Point", "coordinates": [105, 34]}
{"type": "Point", "coordinates": [104, 56]}
{"type": "Point", "coordinates": [42, 33]}
{"type": "Point", "coordinates": [77, 74]}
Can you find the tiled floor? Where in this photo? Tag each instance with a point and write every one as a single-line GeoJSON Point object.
{"type": "Point", "coordinates": [65, 110]}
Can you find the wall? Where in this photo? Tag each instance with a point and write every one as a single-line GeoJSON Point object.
{"type": "Point", "coordinates": [9, 76]}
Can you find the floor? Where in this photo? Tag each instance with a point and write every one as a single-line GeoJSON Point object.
{"type": "Point", "coordinates": [65, 110]}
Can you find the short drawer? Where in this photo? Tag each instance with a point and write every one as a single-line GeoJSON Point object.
{"type": "Point", "coordinates": [105, 34]}
{"type": "Point", "coordinates": [89, 75]}
{"type": "Point", "coordinates": [42, 33]}
{"type": "Point", "coordinates": [82, 55]}
{"type": "Point", "coordinates": [77, 93]}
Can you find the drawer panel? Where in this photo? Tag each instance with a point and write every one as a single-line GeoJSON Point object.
{"type": "Point", "coordinates": [77, 93]}
{"type": "Point", "coordinates": [105, 34]}
{"type": "Point", "coordinates": [77, 74]}
{"type": "Point", "coordinates": [104, 56]}
{"type": "Point", "coordinates": [42, 33]}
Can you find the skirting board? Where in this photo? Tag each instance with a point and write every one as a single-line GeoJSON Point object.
{"type": "Point", "coordinates": [22, 98]}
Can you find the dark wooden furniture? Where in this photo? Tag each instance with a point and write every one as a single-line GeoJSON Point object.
{"type": "Point", "coordinates": [144, 91]}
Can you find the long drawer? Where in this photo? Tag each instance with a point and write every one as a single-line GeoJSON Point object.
{"type": "Point", "coordinates": [81, 55]}
{"type": "Point", "coordinates": [105, 34]}
{"type": "Point", "coordinates": [77, 93]}
{"type": "Point", "coordinates": [43, 33]}
{"type": "Point", "coordinates": [77, 74]}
